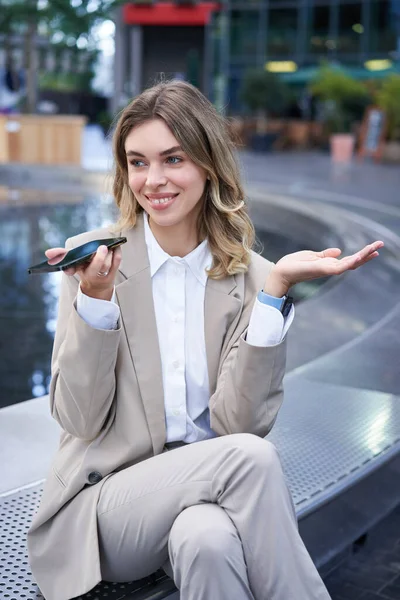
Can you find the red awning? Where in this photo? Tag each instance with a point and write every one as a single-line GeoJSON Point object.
{"type": "Point", "coordinates": [168, 13]}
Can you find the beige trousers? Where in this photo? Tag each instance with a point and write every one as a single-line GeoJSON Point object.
{"type": "Point", "coordinates": [218, 513]}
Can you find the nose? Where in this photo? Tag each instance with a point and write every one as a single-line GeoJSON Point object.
{"type": "Point", "coordinates": [155, 176]}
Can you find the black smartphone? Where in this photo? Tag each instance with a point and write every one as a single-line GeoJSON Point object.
{"type": "Point", "coordinates": [77, 256]}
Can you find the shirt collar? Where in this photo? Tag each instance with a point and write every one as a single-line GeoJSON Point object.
{"type": "Point", "coordinates": [198, 260]}
{"type": "Point", "coordinates": [157, 256]}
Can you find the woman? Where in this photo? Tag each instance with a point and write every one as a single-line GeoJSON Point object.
{"type": "Point", "coordinates": [167, 373]}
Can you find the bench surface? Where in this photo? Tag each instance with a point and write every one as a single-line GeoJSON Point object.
{"type": "Point", "coordinates": [328, 437]}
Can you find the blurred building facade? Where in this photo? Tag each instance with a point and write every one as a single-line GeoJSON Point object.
{"type": "Point", "coordinates": [212, 44]}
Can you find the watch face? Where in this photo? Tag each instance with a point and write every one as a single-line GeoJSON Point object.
{"type": "Point", "coordinates": [287, 305]}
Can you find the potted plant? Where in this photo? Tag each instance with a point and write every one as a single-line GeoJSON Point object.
{"type": "Point", "coordinates": [266, 96]}
{"type": "Point", "coordinates": [388, 98]}
{"type": "Point", "coordinates": [105, 120]}
{"type": "Point", "coordinates": [344, 101]}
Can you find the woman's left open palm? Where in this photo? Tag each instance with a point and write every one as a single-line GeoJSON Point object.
{"type": "Point", "coordinates": [307, 265]}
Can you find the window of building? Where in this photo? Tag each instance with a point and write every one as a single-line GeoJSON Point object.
{"type": "Point", "coordinates": [282, 32]}
{"type": "Point", "coordinates": [351, 28]}
{"type": "Point", "coordinates": [384, 14]}
{"type": "Point", "coordinates": [320, 41]}
{"type": "Point", "coordinates": [244, 33]}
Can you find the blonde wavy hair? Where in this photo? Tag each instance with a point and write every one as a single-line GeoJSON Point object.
{"type": "Point", "coordinates": [203, 135]}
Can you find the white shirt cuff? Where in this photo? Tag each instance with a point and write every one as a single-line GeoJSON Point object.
{"type": "Point", "coordinates": [99, 314]}
{"type": "Point", "coordinates": [267, 325]}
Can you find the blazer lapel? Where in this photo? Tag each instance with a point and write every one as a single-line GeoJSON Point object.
{"type": "Point", "coordinates": [222, 309]}
{"type": "Point", "coordinates": [135, 297]}
{"type": "Point", "coordinates": [223, 301]}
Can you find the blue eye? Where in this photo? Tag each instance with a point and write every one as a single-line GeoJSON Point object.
{"type": "Point", "coordinates": [174, 158]}
{"type": "Point", "coordinates": [134, 163]}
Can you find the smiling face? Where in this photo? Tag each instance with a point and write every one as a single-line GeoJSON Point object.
{"type": "Point", "coordinates": [168, 185]}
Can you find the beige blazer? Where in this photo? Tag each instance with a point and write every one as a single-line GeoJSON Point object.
{"type": "Point", "coordinates": [108, 398]}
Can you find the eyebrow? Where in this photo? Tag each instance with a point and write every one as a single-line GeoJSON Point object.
{"type": "Point", "coordinates": [164, 153]}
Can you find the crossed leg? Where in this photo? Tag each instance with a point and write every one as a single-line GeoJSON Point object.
{"type": "Point", "coordinates": [220, 512]}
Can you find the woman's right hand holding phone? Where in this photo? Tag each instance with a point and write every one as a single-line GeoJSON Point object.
{"type": "Point", "coordinates": [98, 276]}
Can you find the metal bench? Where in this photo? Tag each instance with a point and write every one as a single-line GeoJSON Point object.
{"type": "Point", "coordinates": [16, 512]}
{"type": "Point", "coordinates": [341, 454]}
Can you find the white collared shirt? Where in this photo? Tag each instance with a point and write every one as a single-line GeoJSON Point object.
{"type": "Point", "coordinates": [178, 286]}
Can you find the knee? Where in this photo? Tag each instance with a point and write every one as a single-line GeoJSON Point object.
{"type": "Point", "coordinates": [207, 534]}
{"type": "Point", "coordinates": [257, 451]}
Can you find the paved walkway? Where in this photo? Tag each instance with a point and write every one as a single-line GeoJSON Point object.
{"type": "Point", "coordinates": [371, 191]}
{"type": "Point", "coordinates": [373, 573]}
{"type": "Point", "coordinates": [96, 150]}
{"type": "Point", "coordinates": [314, 170]}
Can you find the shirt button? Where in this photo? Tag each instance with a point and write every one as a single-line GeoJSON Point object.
{"type": "Point", "coordinates": [175, 364]}
{"type": "Point", "coordinates": [177, 413]}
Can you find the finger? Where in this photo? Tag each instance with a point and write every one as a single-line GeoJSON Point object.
{"type": "Point", "coordinates": [351, 263]}
{"type": "Point", "coordinates": [366, 260]}
{"type": "Point", "coordinates": [116, 261]}
{"type": "Point", "coordinates": [371, 256]}
{"type": "Point", "coordinates": [52, 252]}
{"type": "Point", "coordinates": [106, 266]}
{"type": "Point", "coordinates": [55, 255]}
{"type": "Point", "coordinates": [329, 253]}
{"type": "Point", "coordinates": [70, 271]}
{"type": "Point", "coordinates": [99, 262]}
{"type": "Point", "coordinates": [358, 258]}
{"type": "Point", "coordinates": [370, 249]}
{"type": "Point", "coordinates": [374, 255]}
{"type": "Point", "coordinates": [365, 252]}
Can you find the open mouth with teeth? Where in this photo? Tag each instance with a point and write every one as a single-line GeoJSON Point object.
{"type": "Point", "coordinates": [160, 203]}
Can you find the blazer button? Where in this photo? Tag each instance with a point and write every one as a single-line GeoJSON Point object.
{"type": "Point", "coordinates": [94, 477]}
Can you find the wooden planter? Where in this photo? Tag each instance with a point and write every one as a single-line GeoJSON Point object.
{"type": "Point", "coordinates": [290, 133]}
{"type": "Point", "coordinates": [41, 139]}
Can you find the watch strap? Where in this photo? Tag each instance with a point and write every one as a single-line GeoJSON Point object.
{"type": "Point", "coordinates": [283, 304]}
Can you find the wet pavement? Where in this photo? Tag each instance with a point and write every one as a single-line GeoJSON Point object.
{"type": "Point", "coordinates": [369, 189]}
{"type": "Point", "coordinates": [370, 193]}
{"type": "Point", "coordinates": [373, 572]}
